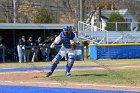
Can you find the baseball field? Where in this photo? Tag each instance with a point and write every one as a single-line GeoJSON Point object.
{"type": "Point", "coordinates": [88, 76]}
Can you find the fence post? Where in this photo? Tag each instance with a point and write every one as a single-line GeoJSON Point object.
{"type": "Point", "coordinates": [131, 26]}
{"type": "Point", "coordinates": [116, 26]}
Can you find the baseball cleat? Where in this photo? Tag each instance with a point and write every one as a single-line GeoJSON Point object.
{"type": "Point", "coordinates": [48, 74]}
{"type": "Point", "coordinates": [68, 74]}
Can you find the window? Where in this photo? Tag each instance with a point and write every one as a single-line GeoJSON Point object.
{"type": "Point", "coordinates": [128, 19]}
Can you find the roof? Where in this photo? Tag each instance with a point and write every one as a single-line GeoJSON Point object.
{"type": "Point", "coordinates": [121, 11]}
{"type": "Point", "coordinates": [107, 13]}
{"type": "Point", "coordinates": [32, 26]}
{"type": "Point", "coordinates": [104, 17]}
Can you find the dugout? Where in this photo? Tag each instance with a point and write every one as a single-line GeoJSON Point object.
{"type": "Point", "coordinates": [114, 51]}
{"type": "Point", "coordinates": [12, 32]}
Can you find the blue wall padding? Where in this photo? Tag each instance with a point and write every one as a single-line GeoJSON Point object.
{"type": "Point", "coordinates": [114, 52]}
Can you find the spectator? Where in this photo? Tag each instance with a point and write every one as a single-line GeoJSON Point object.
{"type": "Point", "coordinates": [29, 48]}
{"type": "Point", "coordinates": [21, 48]}
{"type": "Point", "coordinates": [47, 44]}
{"type": "Point", "coordinates": [2, 50]}
{"type": "Point", "coordinates": [39, 44]}
{"type": "Point", "coordinates": [0, 40]}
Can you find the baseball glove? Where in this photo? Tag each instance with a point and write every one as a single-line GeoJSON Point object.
{"type": "Point", "coordinates": [73, 45]}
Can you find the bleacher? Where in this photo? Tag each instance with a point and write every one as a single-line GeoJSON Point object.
{"type": "Point", "coordinates": [87, 32]}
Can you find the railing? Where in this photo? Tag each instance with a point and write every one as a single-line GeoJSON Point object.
{"type": "Point", "coordinates": [120, 26]}
{"type": "Point", "coordinates": [87, 32]}
{"type": "Point", "coordinates": [118, 39]}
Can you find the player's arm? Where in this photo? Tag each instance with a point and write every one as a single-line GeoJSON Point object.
{"type": "Point", "coordinates": [56, 42]}
{"type": "Point", "coordinates": [76, 40]}
{"type": "Point", "coordinates": [74, 43]}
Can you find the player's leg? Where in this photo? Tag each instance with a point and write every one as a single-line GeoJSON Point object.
{"type": "Point", "coordinates": [19, 49]}
{"type": "Point", "coordinates": [28, 54]}
{"type": "Point", "coordinates": [43, 50]}
{"type": "Point", "coordinates": [55, 61]}
{"type": "Point", "coordinates": [24, 54]}
{"type": "Point", "coordinates": [36, 54]}
{"type": "Point", "coordinates": [18, 53]}
{"type": "Point", "coordinates": [70, 62]}
{"type": "Point", "coordinates": [47, 54]}
{"type": "Point", "coordinates": [33, 56]}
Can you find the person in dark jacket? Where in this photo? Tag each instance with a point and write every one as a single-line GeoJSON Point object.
{"type": "Point", "coordinates": [21, 49]}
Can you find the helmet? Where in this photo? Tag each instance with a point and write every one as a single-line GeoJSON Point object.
{"type": "Point", "coordinates": [67, 28]}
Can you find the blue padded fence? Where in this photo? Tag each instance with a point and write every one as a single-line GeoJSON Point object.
{"type": "Point", "coordinates": [114, 51]}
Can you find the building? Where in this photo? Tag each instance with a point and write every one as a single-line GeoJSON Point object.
{"type": "Point", "coordinates": [105, 14]}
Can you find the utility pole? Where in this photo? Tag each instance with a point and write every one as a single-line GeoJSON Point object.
{"type": "Point", "coordinates": [14, 10]}
{"type": "Point", "coordinates": [81, 10]}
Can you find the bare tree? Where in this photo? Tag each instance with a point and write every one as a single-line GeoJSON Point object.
{"type": "Point", "coordinates": [133, 6]}
{"type": "Point", "coordinates": [6, 8]}
{"type": "Point", "coordinates": [95, 6]}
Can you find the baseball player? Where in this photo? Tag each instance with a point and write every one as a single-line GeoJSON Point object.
{"type": "Point", "coordinates": [28, 50]}
{"type": "Point", "coordinates": [47, 43]}
{"type": "Point", "coordinates": [69, 42]}
{"type": "Point", "coordinates": [21, 47]}
{"type": "Point", "coordinates": [38, 43]}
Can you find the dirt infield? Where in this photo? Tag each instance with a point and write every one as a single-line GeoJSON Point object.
{"type": "Point", "coordinates": [37, 78]}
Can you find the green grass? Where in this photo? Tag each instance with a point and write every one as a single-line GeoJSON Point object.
{"type": "Point", "coordinates": [22, 65]}
{"type": "Point", "coordinates": [106, 76]}
{"type": "Point", "coordinates": [129, 76]}
{"type": "Point", "coordinates": [86, 62]}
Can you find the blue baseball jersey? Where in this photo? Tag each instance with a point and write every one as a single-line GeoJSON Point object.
{"type": "Point", "coordinates": [61, 38]}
